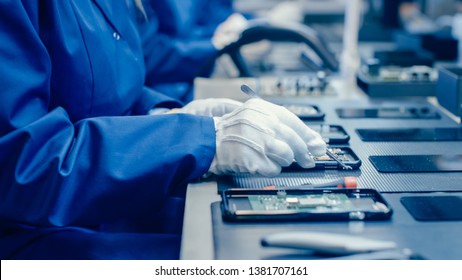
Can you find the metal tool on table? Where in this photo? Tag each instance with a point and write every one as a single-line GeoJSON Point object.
{"type": "Point", "coordinates": [332, 156]}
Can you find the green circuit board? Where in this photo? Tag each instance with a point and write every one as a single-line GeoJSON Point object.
{"type": "Point", "coordinates": [333, 202]}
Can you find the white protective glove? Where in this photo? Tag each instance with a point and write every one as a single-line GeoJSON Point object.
{"type": "Point", "coordinates": [229, 31]}
{"type": "Point", "coordinates": [261, 137]}
{"type": "Point", "coordinates": [210, 107]}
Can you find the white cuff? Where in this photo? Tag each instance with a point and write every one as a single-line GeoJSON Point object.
{"type": "Point", "coordinates": [158, 111]}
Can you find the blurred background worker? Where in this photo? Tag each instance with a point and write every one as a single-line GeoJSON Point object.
{"type": "Point", "coordinates": [86, 173]}
{"type": "Point", "coordinates": [185, 35]}
{"type": "Point", "coordinates": [191, 19]}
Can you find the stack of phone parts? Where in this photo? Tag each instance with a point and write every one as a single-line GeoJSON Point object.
{"type": "Point", "coordinates": [304, 205]}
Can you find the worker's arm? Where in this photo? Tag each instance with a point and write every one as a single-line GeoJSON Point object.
{"type": "Point", "coordinates": [56, 171]}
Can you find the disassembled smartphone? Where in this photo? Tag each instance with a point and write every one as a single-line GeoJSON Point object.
{"type": "Point", "coordinates": [331, 134]}
{"type": "Point", "coordinates": [304, 205]}
{"type": "Point", "coordinates": [344, 154]}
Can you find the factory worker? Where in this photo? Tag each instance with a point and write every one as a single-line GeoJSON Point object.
{"type": "Point", "coordinates": [186, 36]}
{"type": "Point", "coordinates": [86, 173]}
{"type": "Point", "coordinates": [191, 19]}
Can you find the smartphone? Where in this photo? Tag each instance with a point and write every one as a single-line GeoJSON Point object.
{"type": "Point", "coordinates": [344, 154]}
{"type": "Point", "coordinates": [417, 163]}
{"type": "Point", "coordinates": [331, 134]}
{"type": "Point", "coordinates": [305, 112]}
{"type": "Point", "coordinates": [411, 134]}
{"type": "Point", "coordinates": [304, 205]}
{"type": "Point", "coordinates": [389, 113]}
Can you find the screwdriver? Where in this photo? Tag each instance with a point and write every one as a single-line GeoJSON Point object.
{"type": "Point", "coordinates": [249, 91]}
{"type": "Point", "coordinates": [348, 182]}
{"type": "Point", "coordinates": [332, 156]}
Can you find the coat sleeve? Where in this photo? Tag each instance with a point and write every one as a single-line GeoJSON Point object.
{"type": "Point", "coordinates": [151, 98]}
{"type": "Point", "coordinates": [98, 170]}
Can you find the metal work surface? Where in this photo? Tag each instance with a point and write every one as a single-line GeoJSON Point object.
{"type": "Point", "coordinates": [368, 176]}
{"type": "Point", "coordinates": [432, 240]}
{"type": "Point", "coordinates": [427, 240]}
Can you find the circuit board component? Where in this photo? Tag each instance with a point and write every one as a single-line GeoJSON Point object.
{"type": "Point", "coordinates": [333, 202]}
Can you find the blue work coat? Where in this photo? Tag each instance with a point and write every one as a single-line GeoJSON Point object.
{"type": "Point", "coordinates": [179, 59]}
{"type": "Point", "coordinates": [84, 172]}
{"type": "Point", "coordinates": [191, 19]}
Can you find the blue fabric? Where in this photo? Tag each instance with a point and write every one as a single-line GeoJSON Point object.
{"type": "Point", "coordinates": [77, 154]}
{"type": "Point", "coordinates": [191, 18]}
{"type": "Point", "coordinates": [180, 91]}
{"type": "Point", "coordinates": [72, 243]}
{"type": "Point", "coordinates": [178, 61]}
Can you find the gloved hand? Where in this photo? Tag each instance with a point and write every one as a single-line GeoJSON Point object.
{"type": "Point", "coordinates": [261, 137]}
{"type": "Point", "coordinates": [210, 107]}
{"type": "Point", "coordinates": [229, 31]}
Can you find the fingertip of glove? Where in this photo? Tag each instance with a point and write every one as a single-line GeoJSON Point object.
{"type": "Point", "coordinates": [271, 171]}
{"type": "Point", "coordinates": [308, 163]}
{"type": "Point", "coordinates": [317, 147]}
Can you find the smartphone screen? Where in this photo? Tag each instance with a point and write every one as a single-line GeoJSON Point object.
{"type": "Point", "coordinates": [417, 163]}
{"type": "Point", "coordinates": [411, 134]}
{"type": "Point", "coordinates": [389, 113]}
{"type": "Point", "coordinates": [434, 208]}
{"type": "Point", "coordinates": [305, 204]}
